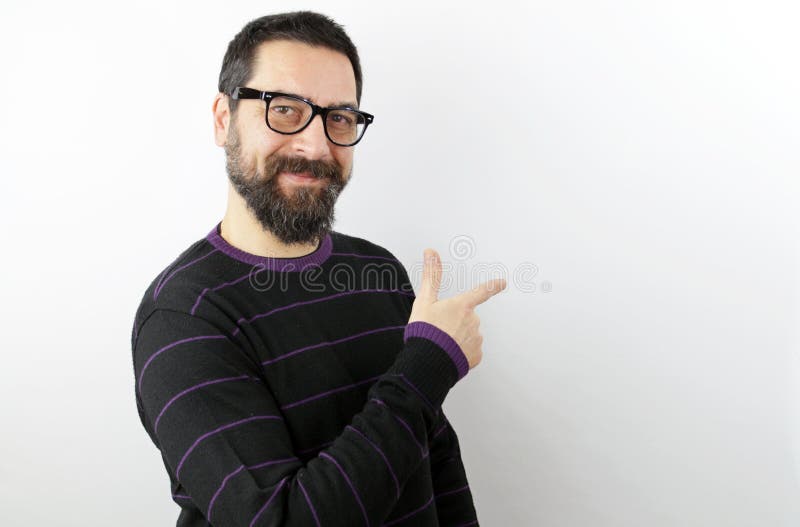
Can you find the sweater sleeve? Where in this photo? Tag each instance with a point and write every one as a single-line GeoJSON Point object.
{"type": "Point", "coordinates": [220, 430]}
{"type": "Point", "coordinates": [454, 504]}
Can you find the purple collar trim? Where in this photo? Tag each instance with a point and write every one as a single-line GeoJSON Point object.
{"type": "Point", "coordinates": [318, 257]}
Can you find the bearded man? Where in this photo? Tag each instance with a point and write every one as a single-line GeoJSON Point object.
{"type": "Point", "coordinates": [309, 402]}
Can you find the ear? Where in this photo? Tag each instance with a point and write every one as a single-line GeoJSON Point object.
{"type": "Point", "coordinates": [222, 118]}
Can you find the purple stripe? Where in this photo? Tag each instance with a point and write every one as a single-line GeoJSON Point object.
{"type": "Point", "coordinates": [221, 486]}
{"type": "Point", "coordinates": [182, 496]}
{"type": "Point", "coordinates": [252, 467]}
{"type": "Point", "coordinates": [308, 500]}
{"type": "Point", "coordinates": [329, 392]}
{"type": "Point", "coordinates": [436, 434]}
{"type": "Point", "coordinates": [330, 343]}
{"type": "Point", "coordinates": [278, 488]}
{"type": "Point", "coordinates": [405, 425]}
{"type": "Point", "coordinates": [305, 302]}
{"type": "Point", "coordinates": [160, 286]}
{"type": "Point", "coordinates": [412, 513]}
{"type": "Point", "coordinates": [428, 331]}
{"type": "Point", "coordinates": [160, 279]}
{"type": "Point", "coordinates": [367, 256]}
{"type": "Point", "coordinates": [172, 345]}
{"type": "Point", "coordinates": [411, 432]}
{"type": "Point", "coordinates": [272, 462]}
{"type": "Point", "coordinates": [447, 493]}
{"type": "Point", "coordinates": [216, 288]}
{"type": "Point", "coordinates": [473, 522]}
{"type": "Point", "coordinates": [314, 448]}
{"type": "Point", "coordinates": [355, 493]}
{"type": "Point", "coordinates": [193, 388]}
{"type": "Point", "coordinates": [197, 302]}
{"type": "Point", "coordinates": [218, 430]}
{"type": "Point", "coordinates": [376, 447]}
{"type": "Point", "coordinates": [317, 257]}
{"type": "Point", "coordinates": [243, 277]}
{"type": "Point", "coordinates": [413, 387]}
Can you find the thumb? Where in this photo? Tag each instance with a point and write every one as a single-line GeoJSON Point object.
{"type": "Point", "coordinates": [431, 277]}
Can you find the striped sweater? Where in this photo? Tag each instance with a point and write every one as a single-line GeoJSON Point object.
{"type": "Point", "coordinates": [293, 391]}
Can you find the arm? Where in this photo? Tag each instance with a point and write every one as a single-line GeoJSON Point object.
{"type": "Point", "coordinates": [220, 430]}
{"type": "Point", "coordinates": [454, 505]}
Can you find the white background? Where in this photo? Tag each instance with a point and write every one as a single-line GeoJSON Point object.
{"type": "Point", "coordinates": [642, 155]}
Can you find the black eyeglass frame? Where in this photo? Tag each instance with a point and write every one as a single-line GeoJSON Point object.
{"type": "Point", "coordinates": [240, 93]}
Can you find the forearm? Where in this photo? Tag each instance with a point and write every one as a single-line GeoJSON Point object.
{"type": "Point", "coordinates": [452, 494]}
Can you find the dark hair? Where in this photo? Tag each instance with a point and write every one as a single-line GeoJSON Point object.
{"type": "Point", "coordinates": [299, 26]}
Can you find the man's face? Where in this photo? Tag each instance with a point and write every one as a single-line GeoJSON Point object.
{"type": "Point", "coordinates": [263, 165]}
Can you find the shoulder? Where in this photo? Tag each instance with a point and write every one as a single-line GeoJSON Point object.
{"type": "Point", "coordinates": [348, 244]}
{"type": "Point", "coordinates": [372, 260]}
{"type": "Point", "coordinates": [179, 283]}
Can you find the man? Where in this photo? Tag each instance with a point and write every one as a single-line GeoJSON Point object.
{"type": "Point", "coordinates": [276, 393]}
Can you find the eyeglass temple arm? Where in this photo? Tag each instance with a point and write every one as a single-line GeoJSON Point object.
{"type": "Point", "coordinates": [247, 93]}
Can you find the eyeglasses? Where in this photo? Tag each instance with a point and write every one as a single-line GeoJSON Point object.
{"type": "Point", "coordinates": [289, 114]}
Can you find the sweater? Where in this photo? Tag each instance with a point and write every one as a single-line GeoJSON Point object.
{"type": "Point", "coordinates": [293, 391]}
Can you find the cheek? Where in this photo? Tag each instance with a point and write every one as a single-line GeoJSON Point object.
{"type": "Point", "coordinates": [258, 156]}
{"type": "Point", "coordinates": [345, 160]}
{"type": "Point", "coordinates": [248, 161]}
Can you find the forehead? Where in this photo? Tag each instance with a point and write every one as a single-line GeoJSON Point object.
{"type": "Point", "coordinates": [320, 74]}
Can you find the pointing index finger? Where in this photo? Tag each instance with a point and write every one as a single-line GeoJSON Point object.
{"type": "Point", "coordinates": [484, 291]}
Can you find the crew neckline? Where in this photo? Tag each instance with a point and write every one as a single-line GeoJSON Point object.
{"type": "Point", "coordinates": [299, 263]}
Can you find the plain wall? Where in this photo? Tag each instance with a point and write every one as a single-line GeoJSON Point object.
{"type": "Point", "coordinates": [631, 166]}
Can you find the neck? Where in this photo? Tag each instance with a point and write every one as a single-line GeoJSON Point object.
{"type": "Point", "coordinates": [242, 230]}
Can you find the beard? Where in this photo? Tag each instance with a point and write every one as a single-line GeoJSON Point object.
{"type": "Point", "coordinates": [307, 213]}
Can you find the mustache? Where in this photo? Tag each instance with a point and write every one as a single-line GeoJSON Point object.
{"type": "Point", "coordinates": [318, 168]}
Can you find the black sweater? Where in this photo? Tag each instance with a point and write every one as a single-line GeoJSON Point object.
{"type": "Point", "coordinates": [293, 391]}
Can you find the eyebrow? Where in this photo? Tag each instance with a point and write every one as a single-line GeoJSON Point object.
{"type": "Point", "coordinates": [346, 104]}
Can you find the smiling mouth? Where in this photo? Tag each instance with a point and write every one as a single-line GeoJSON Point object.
{"type": "Point", "coordinates": [300, 177]}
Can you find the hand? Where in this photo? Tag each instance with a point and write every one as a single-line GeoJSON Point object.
{"type": "Point", "coordinates": [455, 316]}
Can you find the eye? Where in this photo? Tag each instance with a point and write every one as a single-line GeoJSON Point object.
{"type": "Point", "coordinates": [340, 118]}
{"type": "Point", "coordinates": [282, 109]}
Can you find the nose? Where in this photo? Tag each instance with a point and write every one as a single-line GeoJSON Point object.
{"type": "Point", "coordinates": [312, 140]}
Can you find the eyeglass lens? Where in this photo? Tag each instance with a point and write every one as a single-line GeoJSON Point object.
{"type": "Point", "coordinates": [289, 115]}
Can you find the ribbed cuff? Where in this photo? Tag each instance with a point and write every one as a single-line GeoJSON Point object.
{"type": "Point", "coordinates": [443, 340]}
{"type": "Point", "coordinates": [429, 364]}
